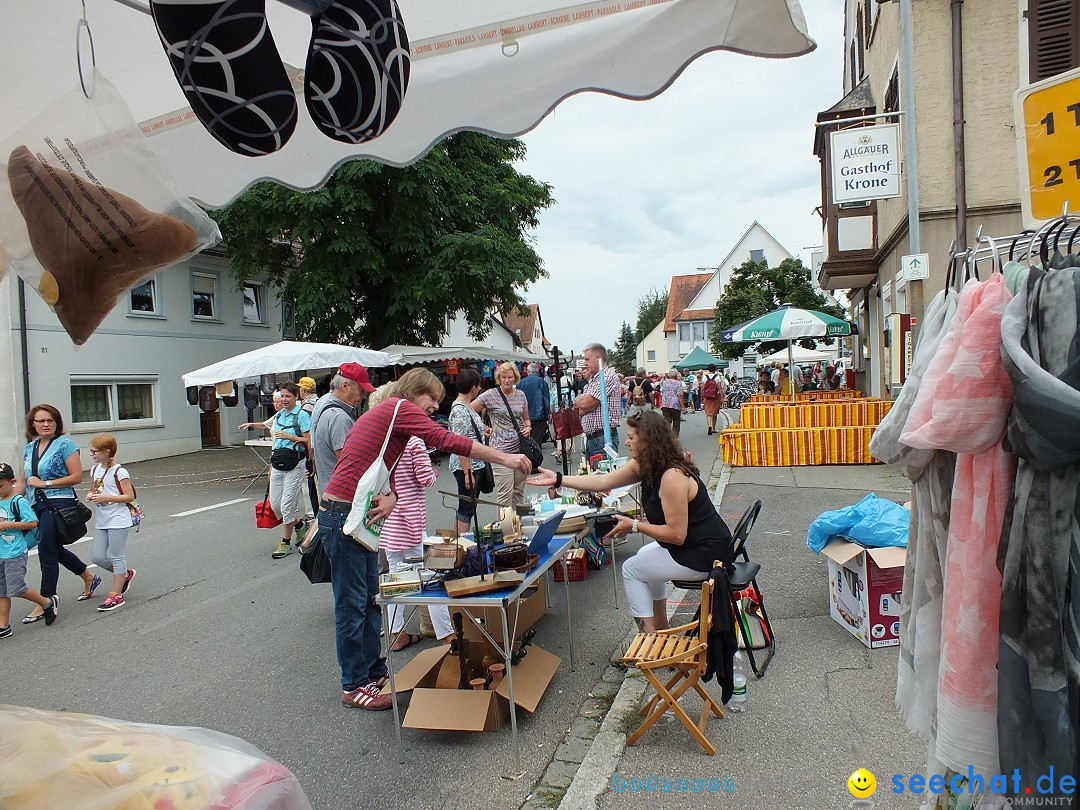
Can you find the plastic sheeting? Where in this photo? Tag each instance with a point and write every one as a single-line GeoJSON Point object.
{"type": "Point", "coordinates": [63, 760]}
{"type": "Point", "coordinates": [873, 522]}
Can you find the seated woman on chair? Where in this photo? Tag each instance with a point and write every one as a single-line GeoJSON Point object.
{"type": "Point", "coordinates": [679, 516]}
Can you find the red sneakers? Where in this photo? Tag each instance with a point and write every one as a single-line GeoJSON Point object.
{"type": "Point", "coordinates": [367, 697]}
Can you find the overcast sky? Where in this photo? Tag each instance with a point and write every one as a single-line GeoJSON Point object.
{"type": "Point", "coordinates": [649, 190]}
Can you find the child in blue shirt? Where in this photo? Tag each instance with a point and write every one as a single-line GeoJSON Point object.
{"type": "Point", "coordinates": [17, 519]}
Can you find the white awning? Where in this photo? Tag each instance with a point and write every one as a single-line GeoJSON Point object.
{"type": "Point", "coordinates": [419, 355]}
{"type": "Point", "coordinates": [288, 355]}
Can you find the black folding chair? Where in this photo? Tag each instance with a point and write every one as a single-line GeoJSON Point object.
{"type": "Point", "coordinates": [742, 574]}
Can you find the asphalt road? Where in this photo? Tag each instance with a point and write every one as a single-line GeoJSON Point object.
{"type": "Point", "coordinates": [216, 634]}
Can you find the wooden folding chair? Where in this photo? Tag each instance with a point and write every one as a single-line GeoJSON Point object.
{"type": "Point", "coordinates": [683, 650]}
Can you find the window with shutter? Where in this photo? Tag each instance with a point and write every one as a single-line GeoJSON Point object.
{"type": "Point", "coordinates": [1054, 37]}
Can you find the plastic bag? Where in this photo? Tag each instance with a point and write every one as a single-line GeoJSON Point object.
{"type": "Point", "coordinates": [58, 759]}
{"type": "Point", "coordinates": [873, 522]}
{"type": "Point", "coordinates": [87, 210]}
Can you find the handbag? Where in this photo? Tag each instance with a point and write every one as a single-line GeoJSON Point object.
{"type": "Point", "coordinates": [315, 562]}
{"type": "Point", "coordinates": [134, 509]}
{"type": "Point", "coordinates": [69, 521]}
{"type": "Point", "coordinates": [375, 481]}
{"type": "Point", "coordinates": [485, 476]}
{"type": "Point", "coordinates": [526, 446]}
{"type": "Point", "coordinates": [286, 458]}
{"type": "Point", "coordinates": [264, 512]}
{"type": "Point", "coordinates": [566, 423]}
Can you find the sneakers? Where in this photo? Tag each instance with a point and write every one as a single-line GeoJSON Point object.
{"type": "Point", "coordinates": [127, 580]}
{"type": "Point", "coordinates": [367, 697]}
{"type": "Point", "coordinates": [5, 631]}
{"type": "Point", "coordinates": [283, 550]}
{"type": "Point", "coordinates": [52, 609]}
{"type": "Point", "coordinates": [113, 601]}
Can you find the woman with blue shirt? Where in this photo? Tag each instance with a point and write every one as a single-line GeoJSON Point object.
{"type": "Point", "coordinates": [292, 424]}
{"type": "Point", "coordinates": [58, 470]}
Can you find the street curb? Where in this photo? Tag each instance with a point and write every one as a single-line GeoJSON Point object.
{"type": "Point", "coordinates": [593, 775]}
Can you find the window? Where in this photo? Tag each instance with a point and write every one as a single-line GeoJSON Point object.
{"type": "Point", "coordinates": [204, 295]}
{"type": "Point", "coordinates": [143, 299]}
{"type": "Point", "coordinates": [699, 331]}
{"type": "Point", "coordinates": [892, 96]}
{"type": "Point", "coordinates": [650, 355]}
{"type": "Point", "coordinates": [861, 42]}
{"type": "Point", "coordinates": [1053, 37]}
{"type": "Point", "coordinates": [757, 255]}
{"type": "Point", "coordinates": [97, 404]}
{"type": "Point", "coordinates": [254, 303]}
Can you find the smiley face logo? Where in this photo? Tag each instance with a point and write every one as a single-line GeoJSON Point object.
{"type": "Point", "coordinates": [862, 784]}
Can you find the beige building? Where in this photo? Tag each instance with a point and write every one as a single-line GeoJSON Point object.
{"type": "Point", "coordinates": [968, 174]}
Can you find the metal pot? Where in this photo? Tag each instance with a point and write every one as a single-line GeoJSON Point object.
{"type": "Point", "coordinates": [510, 556]}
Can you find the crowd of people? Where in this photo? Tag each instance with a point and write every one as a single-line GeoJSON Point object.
{"type": "Point", "coordinates": [778, 379]}
{"type": "Point", "coordinates": [39, 507]}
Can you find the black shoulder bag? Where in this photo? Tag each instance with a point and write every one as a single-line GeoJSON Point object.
{"type": "Point", "coordinates": [526, 446]}
{"type": "Point", "coordinates": [286, 458]}
{"type": "Point", "coordinates": [70, 521]}
{"type": "Point", "coordinates": [485, 476]}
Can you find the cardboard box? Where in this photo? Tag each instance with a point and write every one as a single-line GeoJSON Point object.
{"type": "Point", "coordinates": [865, 585]}
{"type": "Point", "coordinates": [467, 709]}
{"type": "Point", "coordinates": [527, 611]}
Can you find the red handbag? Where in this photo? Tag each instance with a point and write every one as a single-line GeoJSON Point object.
{"type": "Point", "coordinates": [264, 513]}
{"type": "Point", "coordinates": [566, 423]}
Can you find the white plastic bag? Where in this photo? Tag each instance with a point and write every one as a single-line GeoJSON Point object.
{"type": "Point", "coordinates": [374, 481]}
{"type": "Point", "coordinates": [60, 759]}
{"type": "Point", "coordinates": [87, 210]}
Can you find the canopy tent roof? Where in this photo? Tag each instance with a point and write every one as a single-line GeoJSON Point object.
{"type": "Point", "coordinates": [494, 66]}
{"type": "Point", "coordinates": [800, 354]}
{"type": "Point", "coordinates": [419, 355]}
{"type": "Point", "coordinates": [288, 355]}
{"type": "Point", "coordinates": [788, 323]}
{"type": "Point", "coordinates": [699, 358]}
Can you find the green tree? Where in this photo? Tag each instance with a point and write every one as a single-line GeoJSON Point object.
{"type": "Point", "coordinates": [755, 289]}
{"type": "Point", "coordinates": [651, 309]}
{"type": "Point", "coordinates": [382, 255]}
{"type": "Point", "coordinates": [623, 355]}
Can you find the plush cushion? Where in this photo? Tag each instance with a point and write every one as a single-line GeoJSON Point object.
{"type": "Point", "coordinates": [94, 243]}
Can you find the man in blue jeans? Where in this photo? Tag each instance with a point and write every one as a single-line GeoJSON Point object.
{"type": "Point", "coordinates": [588, 403]}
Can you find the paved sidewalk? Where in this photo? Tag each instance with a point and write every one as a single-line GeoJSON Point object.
{"type": "Point", "coordinates": [823, 709]}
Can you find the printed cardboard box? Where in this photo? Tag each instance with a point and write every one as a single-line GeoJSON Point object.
{"type": "Point", "coordinates": [465, 709]}
{"type": "Point", "coordinates": [865, 586]}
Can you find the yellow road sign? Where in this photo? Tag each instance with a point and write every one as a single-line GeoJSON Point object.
{"type": "Point", "coordinates": [1048, 135]}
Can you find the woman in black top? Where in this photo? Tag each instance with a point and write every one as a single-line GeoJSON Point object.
{"type": "Point", "coordinates": [679, 516]}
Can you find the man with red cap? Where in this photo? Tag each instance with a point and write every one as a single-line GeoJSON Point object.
{"type": "Point", "coordinates": [333, 417]}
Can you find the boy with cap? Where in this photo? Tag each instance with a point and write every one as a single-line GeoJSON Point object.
{"type": "Point", "coordinates": [17, 519]}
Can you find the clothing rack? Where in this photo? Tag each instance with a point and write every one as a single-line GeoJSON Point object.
{"type": "Point", "coordinates": [1018, 246]}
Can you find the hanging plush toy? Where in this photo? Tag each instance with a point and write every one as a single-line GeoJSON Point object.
{"type": "Point", "coordinates": [228, 66]}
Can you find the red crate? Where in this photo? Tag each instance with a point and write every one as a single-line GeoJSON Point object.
{"type": "Point", "coordinates": [576, 564]}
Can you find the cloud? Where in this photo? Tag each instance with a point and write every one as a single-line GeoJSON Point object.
{"type": "Point", "coordinates": [648, 190]}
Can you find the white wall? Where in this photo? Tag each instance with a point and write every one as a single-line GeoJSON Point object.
{"type": "Point", "coordinates": [458, 335]}
{"type": "Point", "coordinates": [654, 342]}
{"type": "Point", "coordinates": [140, 348]}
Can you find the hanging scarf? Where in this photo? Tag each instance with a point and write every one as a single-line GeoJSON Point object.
{"type": "Point", "coordinates": [963, 405]}
{"type": "Point", "coordinates": [931, 475]}
{"type": "Point", "coordinates": [1039, 653]}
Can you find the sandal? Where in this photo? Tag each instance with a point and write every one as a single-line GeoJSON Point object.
{"type": "Point", "coordinates": [406, 640]}
{"type": "Point", "coordinates": [90, 593]}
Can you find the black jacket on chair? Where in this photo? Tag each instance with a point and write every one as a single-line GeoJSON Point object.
{"type": "Point", "coordinates": [722, 642]}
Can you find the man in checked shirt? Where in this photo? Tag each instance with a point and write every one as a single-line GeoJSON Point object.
{"type": "Point", "coordinates": [593, 412]}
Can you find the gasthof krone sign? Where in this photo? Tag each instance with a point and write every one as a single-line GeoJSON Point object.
{"type": "Point", "coordinates": [865, 163]}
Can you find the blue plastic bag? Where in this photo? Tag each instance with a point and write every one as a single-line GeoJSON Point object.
{"type": "Point", "coordinates": [873, 522]}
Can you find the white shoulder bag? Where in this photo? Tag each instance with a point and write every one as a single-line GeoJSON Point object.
{"type": "Point", "coordinates": [375, 481]}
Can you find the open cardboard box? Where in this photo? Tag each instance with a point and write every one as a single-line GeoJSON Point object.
{"type": "Point", "coordinates": [526, 611]}
{"type": "Point", "coordinates": [865, 586]}
{"type": "Point", "coordinates": [467, 709]}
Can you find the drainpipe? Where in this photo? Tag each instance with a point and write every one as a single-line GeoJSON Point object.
{"type": "Point", "coordinates": [24, 341]}
{"type": "Point", "coordinates": [959, 162]}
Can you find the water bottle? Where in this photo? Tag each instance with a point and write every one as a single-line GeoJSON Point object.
{"type": "Point", "coordinates": [738, 695]}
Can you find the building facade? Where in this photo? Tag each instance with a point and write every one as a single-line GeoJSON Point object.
{"type": "Point", "coordinates": [969, 60]}
{"type": "Point", "coordinates": [691, 311]}
{"type": "Point", "coordinates": [126, 379]}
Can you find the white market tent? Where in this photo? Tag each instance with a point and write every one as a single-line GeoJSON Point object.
{"type": "Point", "coordinates": [400, 355]}
{"type": "Point", "coordinates": [494, 66]}
{"type": "Point", "coordinates": [800, 355]}
{"type": "Point", "coordinates": [288, 355]}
